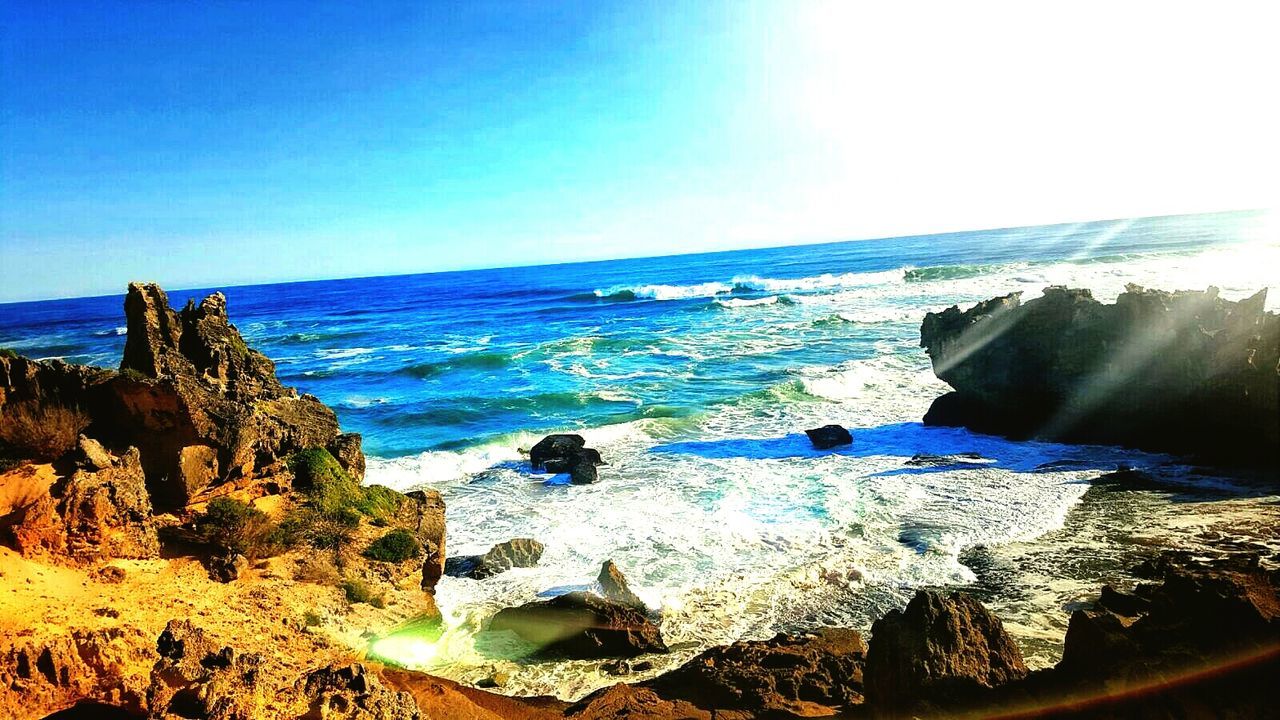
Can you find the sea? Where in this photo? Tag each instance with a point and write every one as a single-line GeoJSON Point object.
{"type": "Point", "coordinates": [695, 376]}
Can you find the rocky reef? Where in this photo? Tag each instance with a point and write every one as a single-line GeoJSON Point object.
{"type": "Point", "coordinates": [1184, 372]}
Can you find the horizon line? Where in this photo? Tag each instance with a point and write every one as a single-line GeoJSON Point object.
{"type": "Point", "coordinates": [217, 287]}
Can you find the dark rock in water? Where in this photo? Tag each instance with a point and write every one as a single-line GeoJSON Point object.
{"type": "Point", "coordinates": [1122, 603]}
{"type": "Point", "coordinates": [804, 675]}
{"type": "Point", "coordinates": [926, 460]}
{"type": "Point", "coordinates": [829, 436]}
{"type": "Point", "coordinates": [581, 625]}
{"type": "Point", "coordinates": [941, 648]}
{"type": "Point", "coordinates": [566, 454]}
{"type": "Point", "coordinates": [555, 447]}
{"type": "Point", "coordinates": [225, 568]}
{"type": "Point", "coordinates": [1185, 372]}
{"type": "Point", "coordinates": [520, 552]}
{"type": "Point", "coordinates": [613, 584]}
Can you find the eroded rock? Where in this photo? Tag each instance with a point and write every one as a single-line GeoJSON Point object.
{"type": "Point", "coordinates": [613, 585]}
{"type": "Point", "coordinates": [581, 625]}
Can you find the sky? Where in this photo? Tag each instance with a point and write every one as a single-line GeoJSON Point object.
{"type": "Point", "coordinates": [229, 143]}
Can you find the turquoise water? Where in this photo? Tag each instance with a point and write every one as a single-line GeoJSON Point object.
{"type": "Point", "coordinates": [694, 375]}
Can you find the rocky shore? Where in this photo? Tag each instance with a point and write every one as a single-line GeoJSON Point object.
{"type": "Point", "coordinates": [185, 537]}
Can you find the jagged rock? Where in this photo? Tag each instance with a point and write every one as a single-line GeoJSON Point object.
{"type": "Point", "coordinates": [346, 448]}
{"type": "Point", "coordinates": [351, 692]}
{"type": "Point", "coordinates": [225, 568]}
{"type": "Point", "coordinates": [581, 625]}
{"type": "Point", "coordinates": [519, 552]}
{"type": "Point", "coordinates": [91, 516]}
{"type": "Point", "coordinates": [634, 703]}
{"type": "Point", "coordinates": [195, 679]}
{"type": "Point", "coordinates": [806, 675]}
{"type": "Point", "coordinates": [613, 585]}
{"type": "Point", "coordinates": [829, 436]}
{"type": "Point", "coordinates": [42, 677]}
{"type": "Point", "coordinates": [1123, 604]}
{"type": "Point", "coordinates": [93, 456]}
{"type": "Point", "coordinates": [423, 515]}
{"type": "Point", "coordinates": [1185, 372]}
{"type": "Point", "coordinates": [939, 648]}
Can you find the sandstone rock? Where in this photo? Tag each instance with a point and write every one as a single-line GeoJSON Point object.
{"type": "Point", "coordinates": [939, 648]}
{"type": "Point", "coordinates": [195, 679]}
{"type": "Point", "coordinates": [351, 692]}
{"type": "Point", "coordinates": [635, 703]}
{"type": "Point", "coordinates": [806, 675]}
{"type": "Point", "coordinates": [829, 436]}
{"type": "Point", "coordinates": [225, 568]}
{"type": "Point", "coordinates": [197, 468]}
{"type": "Point", "coordinates": [91, 516]}
{"type": "Point", "coordinates": [93, 456]}
{"type": "Point", "coordinates": [41, 677]}
{"type": "Point", "coordinates": [613, 585]}
{"type": "Point", "coordinates": [581, 625]}
{"type": "Point", "coordinates": [424, 516]}
{"type": "Point", "coordinates": [1185, 372]}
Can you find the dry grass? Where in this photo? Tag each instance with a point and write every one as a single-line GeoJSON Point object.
{"type": "Point", "coordinates": [40, 431]}
{"type": "Point", "coordinates": [316, 568]}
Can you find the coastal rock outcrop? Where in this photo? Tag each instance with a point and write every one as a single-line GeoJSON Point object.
{"type": "Point", "coordinates": [101, 510]}
{"type": "Point", "coordinates": [829, 436]}
{"type": "Point", "coordinates": [614, 587]}
{"type": "Point", "coordinates": [518, 552]}
{"type": "Point", "coordinates": [1185, 372]}
{"type": "Point", "coordinates": [941, 648]}
{"type": "Point", "coordinates": [804, 675]}
{"type": "Point", "coordinates": [581, 625]}
{"type": "Point", "coordinates": [566, 453]}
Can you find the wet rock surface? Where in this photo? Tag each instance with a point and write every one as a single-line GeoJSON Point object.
{"type": "Point", "coordinates": [614, 587]}
{"type": "Point", "coordinates": [829, 436]}
{"type": "Point", "coordinates": [581, 625]}
{"type": "Point", "coordinates": [1186, 372]}
{"type": "Point", "coordinates": [566, 453]}
{"type": "Point", "coordinates": [518, 552]}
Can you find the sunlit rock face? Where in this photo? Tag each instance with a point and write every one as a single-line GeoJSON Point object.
{"type": "Point", "coordinates": [1182, 372]}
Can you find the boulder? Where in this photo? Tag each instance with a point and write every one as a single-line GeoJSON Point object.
{"type": "Point", "coordinates": [806, 675]}
{"type": "Point", "coordinates": [423, 515]}
{"type": "Point", "coordinates": [613, 585]}
{"type": "Point", "coordinates": [1184, 372]}
{"type": "Point", "coordinates": [554, 447]}
{"type": "Point", "coordinates": [197, 469]}
{"type": "Point", "coordinates": [93, 457]}
{"type": "Point", "coordinates": [567, 454]}
{"type": "Point", "coordinates": [346, 448]}
{"type": "Point", "coordinates": [829, 436]}
{"type": "Point", "coordinates": [519, 552]}
{"type": "Point", "coordinates": [581, 625]}
{"type": "Point", "coordinates": [228, 567]}
{"type": "Point", "coordinates": [634, 703]}
{"type": "Point", "coordinates": [941, 648]}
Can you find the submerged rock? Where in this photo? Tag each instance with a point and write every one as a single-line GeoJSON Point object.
{"type": "Point", "coordinates": [564, 453]}
{"type": "Point", "coordinates": [829, 436]}
{"type": "Point", "coordinates": [581, 625]}
{"type": "Point", "coordinates": [807, 675]}
{"type": "Point", "coordinates": [945, 649]}
{"type": "Point", "coordinates": [1185, 372]}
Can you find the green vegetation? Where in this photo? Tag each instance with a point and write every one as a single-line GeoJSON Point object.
{"type": "Point", "coordinates": [359, 591]}
{"type": "Point", "coordinates": [310, 619]}
{"type": "Point", "coordinates": [40, 431]}
{"type": "Point", "coordinates": [237, 526]}
{"type": "Point", "coordinates": [133, 375]}
{"type": "Point", "coordinates": [396, 546]}
{"type": "Point", "coordinates": [8, 354]}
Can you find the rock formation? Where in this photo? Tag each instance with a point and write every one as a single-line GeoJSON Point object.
{"type": "Point", "coordinates": [941, 649]}
{"type": "Point", "coordinates": [802, 675]}
{"type": "Point", "coordinates": [1185, 372]}
{"type": "Point", "coordinates": [581, 625]}
{"type": "Point", "coordinates": [613, 586]}
{"type": "Point", "coordinates": [200, 406]}
{"type": "Point", "coordinates": [565, 453]}
{"type": "Point", "coordinates": [518, 552]}
{"type": "Point", "coordinates": [100, 510]}
{"type": "Point", "coordinates": [829, 436]}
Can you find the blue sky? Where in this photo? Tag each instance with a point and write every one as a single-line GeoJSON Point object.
{"type": "Point", "coordinates": [258, 141]}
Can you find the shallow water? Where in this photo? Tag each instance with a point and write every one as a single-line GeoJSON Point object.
{"type": "Point", "coordinates": [695, 376]}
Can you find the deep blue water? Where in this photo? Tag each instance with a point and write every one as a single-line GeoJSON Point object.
{"type": "Point", "coordinates": [449, 360]}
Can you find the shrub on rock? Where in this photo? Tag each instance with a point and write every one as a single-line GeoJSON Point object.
{"type": "Point", "coordinates": [238, 528]}
{"type": "Point", "coordinates": [396, 546]}
{"type": "Point", "coordinates": [41, 431]}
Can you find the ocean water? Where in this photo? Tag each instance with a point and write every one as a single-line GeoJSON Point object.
{"type": "Point", "coordinates": [695, 376]}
